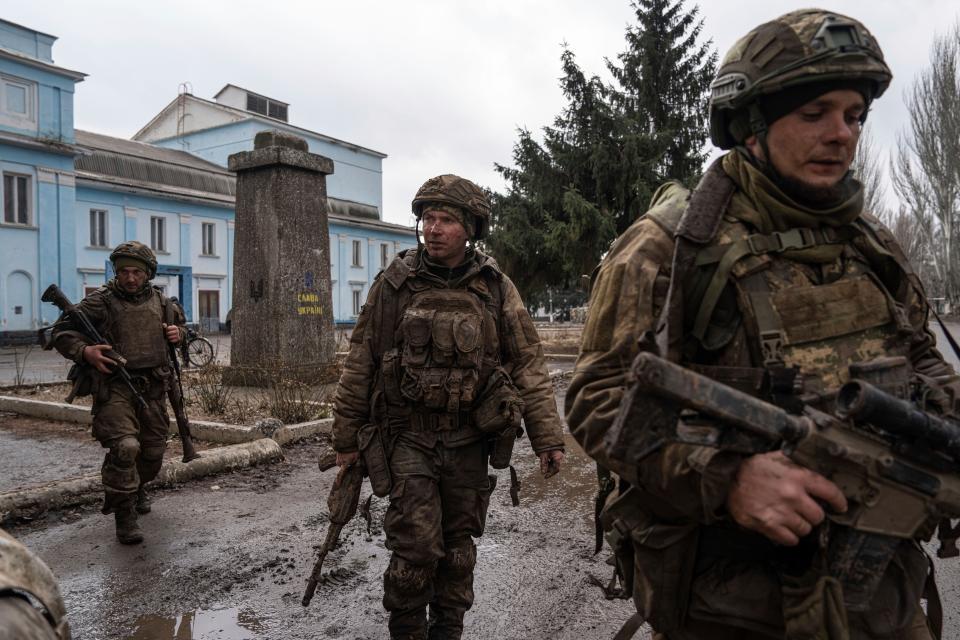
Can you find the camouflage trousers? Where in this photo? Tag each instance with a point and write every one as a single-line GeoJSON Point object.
{"type": "Point", "coordinates": [135, 436]}
{"type": "Point", "coordinates": [438, 503]}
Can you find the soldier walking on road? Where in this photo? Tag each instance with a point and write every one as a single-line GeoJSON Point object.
{"type": "Point", "coordinates": [130, 314]}
{"type": "Point", "coordinates": [769, 278]}
{"type": "Point", "coordinates": [443, 362]}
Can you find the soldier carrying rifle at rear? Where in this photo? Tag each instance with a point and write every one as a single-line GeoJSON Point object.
{"type": "Point", "coordinates": [139, 323]}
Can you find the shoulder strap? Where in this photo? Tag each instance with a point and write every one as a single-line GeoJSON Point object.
{"type": "Point", "coordinates": [697, 227]}
{"type": "Point", "coordinates": [756, 244]}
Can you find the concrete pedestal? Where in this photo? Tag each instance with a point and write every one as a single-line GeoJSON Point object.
{"type": "Point", "coordinates": [282, 324]}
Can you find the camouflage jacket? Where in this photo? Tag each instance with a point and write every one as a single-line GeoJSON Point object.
{"type": "Point", "coordinates": [98, 306]}
{"type": "Point", "coordinates": [628, 294]}
{"type": "Point", "coordinates": [683, 487]}
{"type": "Point", "coordinates": [520, 351]}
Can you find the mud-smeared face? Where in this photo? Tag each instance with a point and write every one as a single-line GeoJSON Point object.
{"type": "Point", "coordinates": [444, 237]}
{"type": "Point", "coordinates": [813, 146]}
{"type": "Point", "coordinates": [131, 279]}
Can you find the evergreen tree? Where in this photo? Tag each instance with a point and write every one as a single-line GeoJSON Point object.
{"type": "Point", "coordinates": [607, 151]}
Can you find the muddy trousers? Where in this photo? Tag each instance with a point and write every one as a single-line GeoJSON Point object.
{"type": "Point", "coordinates": [438, 503]}
{"type": "Point", "coordinates": [136, 438]}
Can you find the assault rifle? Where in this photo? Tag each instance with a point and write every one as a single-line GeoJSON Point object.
{"type": "Point", "coordinates": [896, 464]}
{"type": "Point", "coordinates": [175, 394]}
{"type": "Point", "coordinates": [55, 296]}
{"type": "Point", "coordinates": [342, 503]}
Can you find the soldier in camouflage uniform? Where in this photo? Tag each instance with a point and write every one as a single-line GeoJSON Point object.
{"type": "Point", "coordinates": [138, 321]}
{"type": "Point", "coordinates": [781, 276]}
{"type": "Point", "coordinates": [443, 362]}
{"type": "Point", "coordinates": [30, 604]}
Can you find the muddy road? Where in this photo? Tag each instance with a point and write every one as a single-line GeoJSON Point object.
{"type": "Point", "coordinates": [228, 557]}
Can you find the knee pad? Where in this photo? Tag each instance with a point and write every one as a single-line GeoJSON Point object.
{"type": "Point", "coordinates": [125, 451]}
{"type": "Point", "coordinates": [407, 585]}
{"type": "Point", "coordinates": [460, 558]}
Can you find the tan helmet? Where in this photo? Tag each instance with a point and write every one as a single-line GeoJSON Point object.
{"type": "Point", "coordinates": [811, 47]}
{"type": "Point", "coordinates": [137, 251]}
{"type": "Point", "coordinates": [22, 572]}
{"type": "Point", "coordinates": [459, 192]}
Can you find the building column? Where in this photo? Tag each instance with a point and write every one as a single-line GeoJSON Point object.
{"type": "Point", "coordinates": [51, 243]}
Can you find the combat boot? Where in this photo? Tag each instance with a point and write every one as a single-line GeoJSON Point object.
{"type": "Point", "coordinates": [143, 501]}
{"type": "Point", "coordinates": [128, 529]}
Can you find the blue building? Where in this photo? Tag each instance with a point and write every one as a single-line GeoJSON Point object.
{"type": "Point", "coordinates": [70, 196]}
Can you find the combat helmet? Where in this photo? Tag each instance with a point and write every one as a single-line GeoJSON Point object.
{"type": "Point", "coordinates": [459, 192]}
{"type": "Point", "coordinates": [811, 47]}
{"type": "Point", "coordinates": [137, 251]}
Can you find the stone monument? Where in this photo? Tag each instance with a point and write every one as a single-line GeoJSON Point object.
{"type": "Point", "coordinates": [282, 326]}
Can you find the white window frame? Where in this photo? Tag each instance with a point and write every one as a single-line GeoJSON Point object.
{"type": "Point", "coordinates": [99, 228]}
{"type": "Point", "coordinates": [356, 296]}
{"type": "Point", "coordinates": [26, 120]}
{"type": "Point", "coordinates": [208, 239]}
{"type": "Point", "coordinates": [28, 182]}
{"type": "Point", "coordinates": [158, 234]}
{"type": "Point", "coordinates": [357, 253]}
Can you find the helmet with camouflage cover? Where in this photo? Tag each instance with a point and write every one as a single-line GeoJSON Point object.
{"type": "Point", "coordinates": [137, 251]}
{"type": "Point", "coordinates": [458, 192]}
{"type": "Point", "coordinates": [803, 54]}
{"type": "Point", "coordinates": [22, 573]}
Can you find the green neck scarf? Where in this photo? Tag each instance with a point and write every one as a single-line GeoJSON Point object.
{"type": "Point", "coordinates": [763, 205]}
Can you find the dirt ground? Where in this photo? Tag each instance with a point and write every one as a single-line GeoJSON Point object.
{"type": "Point", "coordinates": [228, 558]}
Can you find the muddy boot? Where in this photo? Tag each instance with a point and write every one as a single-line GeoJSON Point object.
{"type": "Point", "coordinates": [143, 501]}
{"type": "Point", "coordinates": [128, 529]}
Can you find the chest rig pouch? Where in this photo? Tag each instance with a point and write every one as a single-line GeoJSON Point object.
{"type": "Point", "coordinates": [441, 353]}
{"type": "Point", "coordinates": [794, 322]}
{"type": "Point", "coordinates": [136, 331]}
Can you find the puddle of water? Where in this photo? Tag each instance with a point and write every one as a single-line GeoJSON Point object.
{"type": "Point", "coordinates": [203, 624]}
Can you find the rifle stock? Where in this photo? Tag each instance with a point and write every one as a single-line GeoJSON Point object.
{"type": "Point", "coordinates": [342, 504]}
{"type": "Point", "coordinates": [175, 394]}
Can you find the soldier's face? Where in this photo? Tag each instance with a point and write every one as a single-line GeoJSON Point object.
{"type": "Point", "coordinates": [814, 145]}
{"type": "Point", "coordinates": [131, 279]}
{"type": "Point", "coordinates": [444, 237]}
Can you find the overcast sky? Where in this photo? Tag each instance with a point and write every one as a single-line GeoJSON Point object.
{"type": "Point", "coordinates": [440, 86]}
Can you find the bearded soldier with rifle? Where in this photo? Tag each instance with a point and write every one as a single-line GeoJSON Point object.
{"type": "Point", "coordinates": [129, 378]}
{"type": "Point", "coordinates": [749, 506]}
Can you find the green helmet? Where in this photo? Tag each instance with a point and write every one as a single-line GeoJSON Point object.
{"type": "Point", "coordinates": [452, 190]}
{"type": "Point", "coordinates": [136, 251]}
{"type": "Point", "coordinates": [807, 49]}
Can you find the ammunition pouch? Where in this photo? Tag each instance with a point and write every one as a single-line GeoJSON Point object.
{"type": "Point", "coordinates": [501, 448]}
{"type": "Point", "coordinates": [500, 408]}
{"type": "Point", "coordinates": [375, 459]}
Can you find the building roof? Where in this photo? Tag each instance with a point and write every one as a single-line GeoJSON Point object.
{"type": "Point", "coordinates": [169, 172]}
{"type": "Point", "coordinates": [256, 93]}
{"type": "Point", "coordinates": [141, 164]}
{"type": "Point", "coordinates": [250, 115]}
{"type": "Point", "coordinates": [10, 54]}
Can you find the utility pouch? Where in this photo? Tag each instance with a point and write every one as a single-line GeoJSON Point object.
{"type": "Point", "coordinates": [501, 448]}
{"type": "Point", "coordinates": [813, 608]}
{"type": "Point", "coordinates": [500, 406]}
{"type": "Point", "coordinates": [82, 378]}
{"type": "Point", "coordinates": [370, 443]}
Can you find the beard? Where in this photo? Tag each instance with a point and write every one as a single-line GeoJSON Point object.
{"type": "Point", "coordinates": [811, 196]}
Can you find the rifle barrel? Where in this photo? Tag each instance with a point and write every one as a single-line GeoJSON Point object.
{"type": "Point", "coordinates": [861, 401]}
